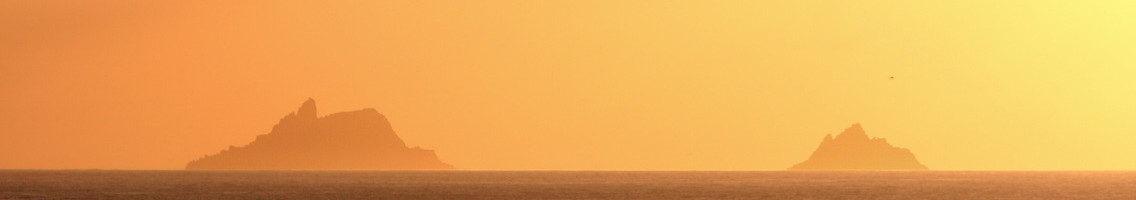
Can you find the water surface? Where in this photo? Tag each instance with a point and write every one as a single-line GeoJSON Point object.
{"type": "Point", "coordinates": [119, 184]}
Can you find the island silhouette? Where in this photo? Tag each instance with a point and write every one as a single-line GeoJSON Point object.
{"type": "Point", "coordinates": [355, 140]}
{"type": "Point", "coordinates": [853, 150]}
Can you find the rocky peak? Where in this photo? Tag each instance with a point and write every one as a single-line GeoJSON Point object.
{"type": "Point", "coordinates": [853, 150]}
{"type": "Point", "coordinates": [854, 132]}
{"type": "Point", "coordinates": [308, 109]}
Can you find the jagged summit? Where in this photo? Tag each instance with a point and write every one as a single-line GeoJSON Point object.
{"type": "Point", "coordinates": [355, 140]}
{"type": "Point", "coordinates": [854, 150]}
{"type": "Point", "coordinates": [854, 132]}
{"type": "Point", "coordinates": [308, 109]}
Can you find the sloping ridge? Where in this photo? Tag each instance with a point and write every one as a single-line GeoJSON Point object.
{"type": "Point", "coordinates": [355, 140]}
{"type": "Point", "coordinates": [853, 150]}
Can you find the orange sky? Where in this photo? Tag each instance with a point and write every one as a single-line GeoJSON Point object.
{"type": "Point", "coordinates": [587, 85]}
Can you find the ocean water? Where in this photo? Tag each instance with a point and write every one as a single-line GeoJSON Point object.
{"type": "Point", "coordinates": [118, 184]}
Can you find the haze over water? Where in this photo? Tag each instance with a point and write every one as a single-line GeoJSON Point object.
{"type": "Point", "coordinates": [114, 184]}
{"type": "Point", "coordinates": [679, 85]}
{"type": "Point", "coordinates": [599, 99]}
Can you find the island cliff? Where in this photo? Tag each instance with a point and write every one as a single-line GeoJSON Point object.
{"type": "Point", "coordinates": [853, 150]}
{"type": "Point", "coordinates": [355, 140]}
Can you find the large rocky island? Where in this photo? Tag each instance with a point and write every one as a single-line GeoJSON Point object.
{"type": "Point", "coordinates": [853, 150]}
{"type": "Point", "coordinates": [356, 140]}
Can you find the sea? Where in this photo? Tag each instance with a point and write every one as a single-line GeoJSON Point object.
{"type": "Point", "coordinates": [175, 184]}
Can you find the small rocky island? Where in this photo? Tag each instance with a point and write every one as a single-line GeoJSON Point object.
{"type": "Point", "coordinates": [853, 150]}
{"type": "Point", "coordinates": [356, 140]}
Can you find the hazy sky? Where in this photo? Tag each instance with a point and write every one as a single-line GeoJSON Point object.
{"type": "Point", "coordinates": [625, 85]}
